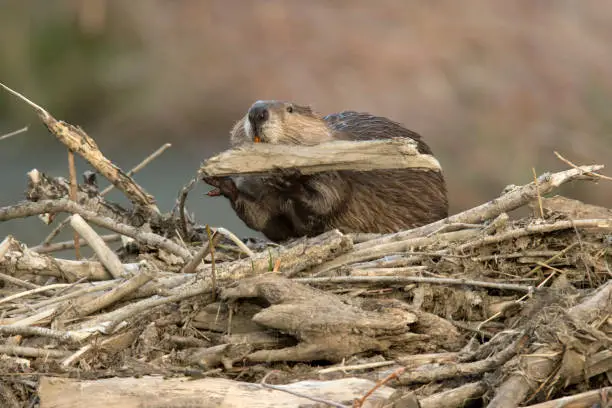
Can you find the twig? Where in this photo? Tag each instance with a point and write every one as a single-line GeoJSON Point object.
{"type": "Point", "coordinates": [181, 206]}
{"type": "Point", "coordinates": [521, 254]}
{"type": "Point", "coordinates": [63, 336]}
{"type": "Point", "coordinates": [399, 271]}
{"type": "Point", "coordinates": [535, 180]}
{"type": "Point", "coordinates": [594, 398]}
{"type": "Point", "coordinates": [133, 171]}
{"type": "Point", "coordinates": [77, 140]}
{"type": "Point", "coordinates": [60, 246]}
{"type": "Point", "coordinates": [73, 197]}
{"type": "Point", "coordinates": [140, 165]}
{"type": "Point", "coordinates": [89, 288]}
{"type": "Point", "coordinates": [17, 281]}
{"type": "Point", "coordinates": [111, 320]}
{"type": "Point", "coordinates": [193, 263]}
{"type": "Point", "coordinates": [552, 258]}
{"type": "Point", "coordinates": [213, 272]}
{"type": "Point", "coordinates": [107, 257]}
{"type": "Point", "coordinates": [359, 403]}
{"type": "Point", "coordinates": [34, 291]}
{"type": "Point", "coordinates": [386, 248]}
{"type": "Point", "coordinates": [14, 133]}
{"type": "Point", "coordinates": [114, 295]}
{"type": "Point", "coordinates": [32, 352]}
{"type": "Point", "coordinates": [236, 240]}
{"type": "Point", "coordinates": [364, 366]}
{"type": "Point", "coordinates": [456, 397]}
{"type": "Point", "coordinates": [517, 301]}
{"type": "Point", "coordinates": [464, 369]}
{"type": "Point", "coordinates": [509, 201]}
{"type": "Point", "coordinates": [602, 223]}
{"type": "Point", "coordinates": [592, 174]}
{"type": "Point", "coordinates": [64, 205]}
{"type": "Point", "coordinates": [415, 279]}
{"type": "Point", "coordinates": [55, 231]}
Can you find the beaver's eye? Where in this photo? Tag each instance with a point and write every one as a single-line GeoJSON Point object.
{"type": "Point", "coordinates": [290, 109]}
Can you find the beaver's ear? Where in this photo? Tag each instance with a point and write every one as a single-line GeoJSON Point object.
{"type": "Point", "coordinates": [307, 110]}
{"type": "Point", "coordinates": [238, 134]}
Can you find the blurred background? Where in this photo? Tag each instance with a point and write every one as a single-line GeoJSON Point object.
{"type": "Point", "coordinates": [494, 87]}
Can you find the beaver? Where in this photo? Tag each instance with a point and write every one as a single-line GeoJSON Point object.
{"type": "Point", "coordinates": [287, 204]}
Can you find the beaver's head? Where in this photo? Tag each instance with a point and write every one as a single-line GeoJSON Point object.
{"type": "Point", "coordinates": [280, 122]}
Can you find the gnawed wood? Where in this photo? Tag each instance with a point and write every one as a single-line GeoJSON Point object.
{"type": "Point", "coordinates": [262, 158]}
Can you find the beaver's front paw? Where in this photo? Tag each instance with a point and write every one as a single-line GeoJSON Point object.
{"type": "Point", "coordinates": [285, 179]}
{"type": "Point", "coordinates": [224, 186]}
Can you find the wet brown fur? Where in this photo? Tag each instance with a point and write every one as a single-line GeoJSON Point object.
{"type": "Point", "coordinates": [288, 204]}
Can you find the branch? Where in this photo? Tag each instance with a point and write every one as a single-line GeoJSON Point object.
{"type": "Point", "coordinates": [29, 209]}
{"type": "Point", "coordinates": [339, 155]}
{"type": "Point", "coordinates": [76, 140]}
{"type": "Point", "coordinates": [508, 201]}
{"type": "Point", "coordinates": [415, 279]}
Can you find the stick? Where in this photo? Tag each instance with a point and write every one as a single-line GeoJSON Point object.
{"type": "Point", "coordinates": [564, 160]}
{"type": "Point", "coordinates": [181, 205]}
{"type": "Point", "coordinates": [34, 291]}
{"type": "Point", "coordinates": [60, 246]}
{"type": "Point", "coordinates": [395, 374]}
{"type": "Point", "coordinates": [114, 295]}
{"type": "Point", "coordinates": [364, 366]}
{"type": "Point", "coordinates": [75, 139]}
{"type": "Point", "coordinates": [64, 205]}
{"type": "Point", "coordinates": [17, 281]}
{"type": "Point", "coordinates": [140, 165]}
{"type": "Point", "coordinates": [536, 229]}
{"type": "Point", "coordinates": [191, 266]}
{"type": "Point", "coordinates": [465, 369]}
{"type": "Point", "coordinates": [63, 336]}
{"type": "Point", "coordinates": [509, 201]}
{"type": "Point", "coordinates": [73, 197]}
{"type": "Point", "coordinates": [228, 234]}
{"type": "Point", "coordinates": [14, 133]}
{"type": "Point", "coordinates": [107, 257]}
{"type": "Point", "coordinates": [535, 180]}
{"type": "Point", "coordinates": [261, 158]}
{"type": "Point", "coordinates": [133, 171]}
{"type": "Point", "coordinates": [213, 272]}
{"type": "Point", "coordinates": [32, 352]}
{"type": "Point", "coordinates": [415, 279]}
{"type": "Point", "coordinates": [584, 399]}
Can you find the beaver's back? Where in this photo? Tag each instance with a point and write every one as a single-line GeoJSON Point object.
{"type": "Point", "coordinates": [383, 201]}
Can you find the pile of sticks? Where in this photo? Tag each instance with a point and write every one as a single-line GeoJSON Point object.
{"type": "Point", "coordinates": [473, 307]}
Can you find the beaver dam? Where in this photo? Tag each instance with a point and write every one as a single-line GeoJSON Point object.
{"type": "Point", "coordinates": [476, 310]}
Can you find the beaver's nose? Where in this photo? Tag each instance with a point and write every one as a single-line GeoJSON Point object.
{"type": "Point", "coordinates": [258, 114]}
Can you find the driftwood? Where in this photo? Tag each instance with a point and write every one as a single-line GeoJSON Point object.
{"type": "Point", "coordinates": [263, 158]}
{"type": "Point", "coordinates": [203, 393]}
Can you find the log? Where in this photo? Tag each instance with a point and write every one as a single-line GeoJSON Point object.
{"type": "Point", "coordinates": [368, 155]}
{"type": "Point", "coordinates": [202, 393]}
